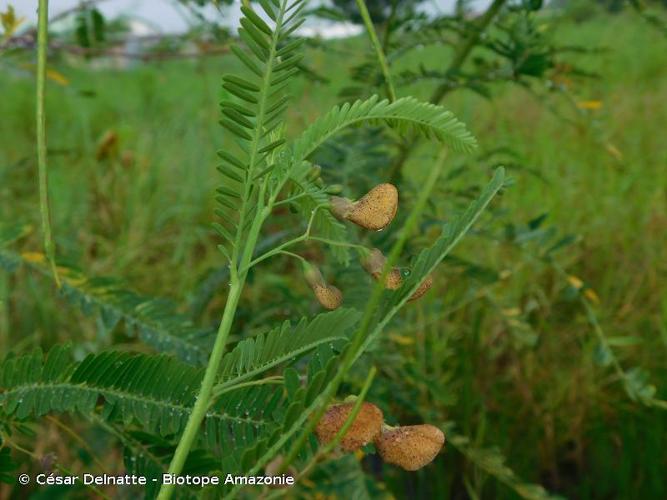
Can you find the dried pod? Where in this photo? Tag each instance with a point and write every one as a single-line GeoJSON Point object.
{"type": "Point", "coordinates": [375, 210]}
{"type": "Point", "coordinates": [366, 426]}
{"type": "Point", "coordinates": [374, 264]}
{"type": "Point", "coordinates": [410, 447]}
{"type": "Point", "coordinates": [327, 295]}
{"type": "Point", "coordinates": [423, 288]}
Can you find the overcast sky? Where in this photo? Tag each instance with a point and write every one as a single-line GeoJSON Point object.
{"type": "Point", "coordinates": [165, 15]}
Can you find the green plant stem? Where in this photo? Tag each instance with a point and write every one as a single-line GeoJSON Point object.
{"type": "Point", "coordinates": [280, 249]}
{"type": "Point", "coordinates": [222, 389]}
{"type": "Point", "coordinates": [244, 247]}
{"type": "Point", "coordinates": [204, 396]}
{"type": "Point", "coordinates": [335, 243]}
{"type": "Point", "coordinates": [293, 255]}
{"type": "Point", "coordinates": [384, 66]}
{"type": "Point", "coordinates": [42, 47]}
{"type": "Point", "coordinates": [460, 57]}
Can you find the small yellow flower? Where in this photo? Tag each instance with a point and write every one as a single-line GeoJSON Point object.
{"type": "Point", "coordinates": [57, 77]}
{"type": "Point", "coordinates": [575, 282]}
{"type": "Point", "coordinates": [590, 294]}
{"type": "Point", "coordinates": [589, 105]}
{"type": "Point", "coordinates": [33, 257]}
{"type": "Point", "coordinates": [402, 339]}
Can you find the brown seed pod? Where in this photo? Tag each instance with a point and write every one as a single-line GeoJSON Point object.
{"type": "Point", "coordinates": [374, 264]}
{"type": "Point", "coordinates": [410, 447]}
{"type": "Point", "coordinates": [423, 288]}
{"type": "Point", "coordinates": [327, 295]}
{"type": "Point", "coordinates": [374, 211]}
{"type": "Point", "coordinates": [366, 426]}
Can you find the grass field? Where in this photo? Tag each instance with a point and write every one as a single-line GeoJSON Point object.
{"type": "Point", "coordinates": [515, 362]}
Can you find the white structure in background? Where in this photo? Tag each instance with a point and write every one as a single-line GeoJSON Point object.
{"type": "Point", "coordinates": [329, 30]}
{"type": "Point", "coordinates": [168, 17]}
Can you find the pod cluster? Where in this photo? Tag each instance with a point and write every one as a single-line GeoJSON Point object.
{"type": "Point", "coordinates": [409, 447]}
{"type": "Point", "coordinates": [374, 211]}
{"type": "Point", "coordinates": [374, 264]}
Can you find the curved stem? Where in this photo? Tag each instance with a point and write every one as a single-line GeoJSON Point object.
{"type": "Point", "coordinates": [42, 46]}
{"type": "Point", "coordinates": [280, 248]}
{"type": "Point", "coordinates": [291, 199]}
{"type": "Point", "coordinates": [277, 250]}
{"type": "Point", "coordinates": [293, 255]}
{"type": "Point", "coordinates": [335, 243]}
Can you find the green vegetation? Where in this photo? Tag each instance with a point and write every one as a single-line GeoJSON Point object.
{"type": "Point", "coordinates": [542, 359]}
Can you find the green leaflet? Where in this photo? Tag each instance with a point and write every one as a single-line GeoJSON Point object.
{"type": "Point", "coordinates": [283, 344]}
{"type": "Point", "coordinates": [158, 391]}
{"type": "Point", "coordinates": [154, 391]}
{"type": "Point", "coordinates": [405, 113]}
{"type": "Point", "coordinates": [253, 115]}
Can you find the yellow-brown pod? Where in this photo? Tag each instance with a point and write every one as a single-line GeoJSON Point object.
{"type": "Point", "coordinates": [410, 447]}
{"type": "Point", "coordinates": [374, 264]}
{"type": "Point", "coordinates": [366, 426]}
{"type": "Point", "coordinates": [327, 295]}
{"type": "Point", "coordinates": [394, 279]}
{"type": "Point", "coordinates": [423, 288]}
{"type": "Point", "coordinates": [374, 211]}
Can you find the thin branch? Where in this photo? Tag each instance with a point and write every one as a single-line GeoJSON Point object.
{"type": "Point", "coordinates": [42, 40]}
